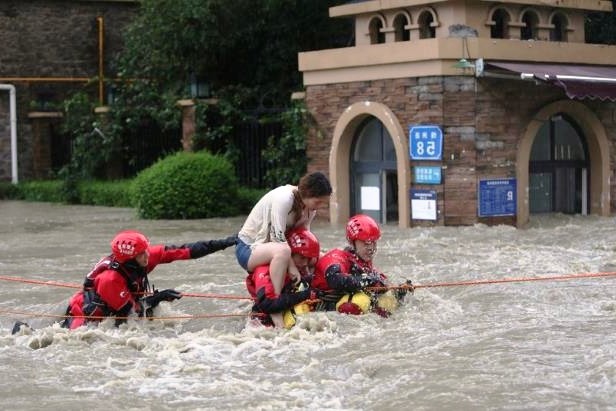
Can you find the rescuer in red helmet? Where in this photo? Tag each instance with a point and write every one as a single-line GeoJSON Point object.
{"type": "Point", "coordinates": [346, 275]}
{"type": "Point", "coordinates": [304, 249]}
{"type": "Point", "coordinates": [118, 283]}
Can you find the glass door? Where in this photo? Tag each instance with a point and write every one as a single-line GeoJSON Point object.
{"type": "Point", "coordinates": [558, 169]}
{"type": "Point", "coordinates": [374, 180]}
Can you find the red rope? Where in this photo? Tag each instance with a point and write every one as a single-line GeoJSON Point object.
{"type": "Point", "coordinates": [176, 317]}
{"type": "Point", "coordinates": [501, 280]}
{"type": "Point", "coordinates": [518, 280]}
{"type": "Point", "coordinates": [78, 286]}
{"type": "Point", "coordinates": [223, 296]}
{"type": "Point", "coordinates": [54, 283]}
{"type": "Point", "coordinates": [415, 286]}
{"type": "Point", "coordinates": [188, 317]}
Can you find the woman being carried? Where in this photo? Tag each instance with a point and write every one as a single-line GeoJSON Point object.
{"type": "Point", "coordinates": [262, 238]}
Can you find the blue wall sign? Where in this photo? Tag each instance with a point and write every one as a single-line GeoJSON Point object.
{"type": "Point", "coordinates": [427, 174]}
{"type": "Point", "coordinates": [426, 142]}
{"type": "Point", "coordinates": [497, 197]}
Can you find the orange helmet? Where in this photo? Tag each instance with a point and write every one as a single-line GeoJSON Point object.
{"type": "Point", "coordinates": [126, 245]}
{"type": "Point", "coordinates": [362, 227]}
{"type": "Point", "coordinates": [303, 242]}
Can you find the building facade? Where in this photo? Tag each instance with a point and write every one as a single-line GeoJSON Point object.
{"type": "Point", "coordinates": [464, 112]}
{"type": "Point", "coordinates": [51, 48]}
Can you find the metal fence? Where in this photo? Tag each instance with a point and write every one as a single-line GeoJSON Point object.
{"type": "Point", "coordinates": [251, 138]}
{"type": "Point", "coordinates": [150, 144]}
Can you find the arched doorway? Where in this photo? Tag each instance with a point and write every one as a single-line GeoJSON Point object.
{"type": "Point", "coordinates": [590, 127]}
{"type": "Point", "coordinates": [374, 180]}
{"type": "Point", "coordinates": [559, 168]}
{"type": "Point", "coordinates": [347, 128]}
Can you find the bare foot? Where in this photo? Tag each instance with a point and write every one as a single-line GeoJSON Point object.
{"type": "Point", "coordinates": [277, 320]}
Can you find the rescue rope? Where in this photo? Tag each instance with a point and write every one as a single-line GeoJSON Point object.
{"type": "Point", "coordinates": [96, 317]}
{"type": "Point", "coordinates": [222, 296]}
{"type": "Point", "coordinates": [79, 286]}
{"type": "Point", "coordinates": [403, 286]}
{"type": "Point", "coordinates": [500, 280]}
{"type": "Point", "coordinates": [197, 316]}
{"type": "Point", "coordinates": [40, 282]}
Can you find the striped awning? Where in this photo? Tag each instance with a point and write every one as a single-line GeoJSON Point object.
{"type": "Point", "coordinates": [578, 81]}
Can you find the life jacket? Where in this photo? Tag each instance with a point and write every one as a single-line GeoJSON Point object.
{"type": "Point", "coordinates": [350, 264]}
{"type": "Point", "coordinates": [135, 276]}
{"type": "Point", "coordinates": [88, 303]}
{"type": "Point", "coordinates": [344, 263]}
{"type": "Point", "coordinates": [98, 268]}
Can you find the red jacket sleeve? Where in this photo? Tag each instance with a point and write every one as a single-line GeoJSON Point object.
{"type": "Point", "coordinates": [160, 254]}
{"type": "Point", "coordinates": [163, 254]}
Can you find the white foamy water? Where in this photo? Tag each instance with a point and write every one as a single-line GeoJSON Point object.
{"type": "Point", "coordinates": [543, 345]}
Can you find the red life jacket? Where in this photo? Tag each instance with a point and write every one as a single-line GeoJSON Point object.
{"type": "Point", "coordinates": [88, 303]}
{"type": "Point", "coordinates": [98, 268]}
{"type": "Point", "coordinates": [136, 279]}
{"type": "Point", "coordinates": [349, 262]}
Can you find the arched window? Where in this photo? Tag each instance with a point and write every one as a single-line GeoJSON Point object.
{"type": "Point", "coordinates": [531, 21]}
{"type": "Point", "coordinates": [558, 168]}
{"type": "Point", "coordinates": [500, 27]}
{"type": "Point", "coordinates": [401, 23]}
{"type": "Point", "coordinates": [426, 25]}
{"type": "Point", "coordinates": [559, 30]}
{"type": "Point", "coordinates": [376, 34]}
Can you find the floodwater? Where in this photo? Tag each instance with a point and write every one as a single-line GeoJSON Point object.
{"type": "Point", "coordinates": [540, 345]}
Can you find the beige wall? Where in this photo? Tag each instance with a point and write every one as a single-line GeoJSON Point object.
{"type": "Point", "coordinates": [489, 126]}
{"type": "Point", "coordinates": [476, 15]}
{"type": "Point", "coordinates": [437, 57]}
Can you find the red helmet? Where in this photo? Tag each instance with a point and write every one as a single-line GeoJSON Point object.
{"type": "Point", "coordinates": [128, 244]}
{"type": "Point", "coordinates": [303, 242]}
{"type": "Point", "coordinates": [362, 227]}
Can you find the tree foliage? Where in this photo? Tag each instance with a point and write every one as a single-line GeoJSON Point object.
{"type": "Point", "coordinates": [290, 146]}
{"type": "Point", "coordinates": [248, 43]}
{"type": "Point", "coordinates": [246, 50]}
{"type": "Point", "coordinates": [600, 28]}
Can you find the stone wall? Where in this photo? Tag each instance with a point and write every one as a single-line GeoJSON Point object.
{"type": "Point", "coordinates": [5, 138]}
{"type": "Point", "coordinates": [45, 39]}
{"type": "Point", "coordinates": [482, 121]}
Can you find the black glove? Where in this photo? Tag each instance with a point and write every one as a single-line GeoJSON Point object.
{"type": "Point", "coordinates": [153, 300]}
{"type": "Point", "coordinates": [369, 280]}
{"type": "Point", "coordinates": [203, 248]}
{"type": "Point", "coordinates": [405, 287]}
{"type": "Point", "coordinates": [229, 241]}
{"type": "Point", "coordinates": [303, 285]}
{"type": "Point", "coordinates": [315, 294]}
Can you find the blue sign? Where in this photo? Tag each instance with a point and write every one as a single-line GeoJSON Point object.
{"type": "Point", "coordinates": [426, 142]}
{"type": "Point", "coordinates": [497, 197]}
{"type": "Point", "coordinates": [427, 175]}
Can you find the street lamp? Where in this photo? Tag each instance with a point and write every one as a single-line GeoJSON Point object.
{"type": "Point", "coordinates": [199, 87]}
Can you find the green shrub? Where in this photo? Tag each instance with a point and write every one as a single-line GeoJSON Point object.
{"type": "Point", "coordinates": [45, 190]}
{"type": "Point", "coordinates": [106, 193]}
{"type": "Point", "coordinates": [8, 191]}
{"type": "Point", "coordinates": [248, 197]}
{"type": "Point", "coordinates": [187, 185]}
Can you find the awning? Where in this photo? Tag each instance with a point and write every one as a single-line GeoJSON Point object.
{"type": "Point", "coordinates": [578, 81]}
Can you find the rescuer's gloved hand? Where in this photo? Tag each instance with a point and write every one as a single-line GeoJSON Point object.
{"type": "Point", "coordinates": [369, 280]}
{"type": "Point", "coordinates": [405, 287]}
{"type": "Point", "coordinates": [153, 300]}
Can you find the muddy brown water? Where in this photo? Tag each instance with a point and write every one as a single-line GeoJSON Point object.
{"type": "Point", "coordinates": [544, 345]}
